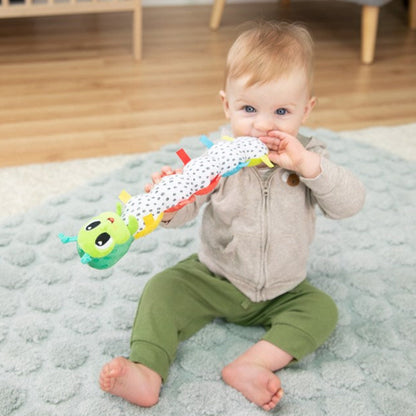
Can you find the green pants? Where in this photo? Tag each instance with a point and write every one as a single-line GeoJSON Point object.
{"type": "Point", "coordinates": [181, 300]}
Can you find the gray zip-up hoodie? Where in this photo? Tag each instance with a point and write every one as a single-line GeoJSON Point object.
{"type": "Point", "coordinates": [256, 230]}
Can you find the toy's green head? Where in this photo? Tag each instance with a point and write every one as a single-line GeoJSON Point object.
{"type": "Point", "coordinates": [104, 239]}
{"type": "Point", "coordinates": [101, 234]}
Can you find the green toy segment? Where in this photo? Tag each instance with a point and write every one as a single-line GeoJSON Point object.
{"type": "Point", "coordinates": [101, 234]}
{"type": "Point", "coordinates": [104, 239]}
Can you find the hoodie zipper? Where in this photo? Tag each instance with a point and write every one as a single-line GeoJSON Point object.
{"type": "Point", "coordinates": [265, 185]}
{"type": "Point", "coordinates": [265, 232]}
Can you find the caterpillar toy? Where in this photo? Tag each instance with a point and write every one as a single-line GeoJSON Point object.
{"type": "Point", "coordinates": [106, 238]}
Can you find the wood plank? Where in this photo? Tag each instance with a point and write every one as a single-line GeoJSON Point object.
{"type": "Point", "coordinates": [50, 8]}
{"type": "Point", "coordinates": [69, 87]}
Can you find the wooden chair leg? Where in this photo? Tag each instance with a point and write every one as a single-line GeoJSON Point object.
{"type": "Point", "coordinates": [216, 14]}
{"type": "Point", "coordinates": [369, 22]}
{"type": "Point", "coordinates": [137, 30]}
{"type": "Point", "coordinates": [412, 14]}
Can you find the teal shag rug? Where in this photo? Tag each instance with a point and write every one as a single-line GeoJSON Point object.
{"type": "Point", "coordinates": [61, 320]}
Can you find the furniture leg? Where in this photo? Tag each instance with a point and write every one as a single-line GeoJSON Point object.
{"type": "Point", "coordinates": [216, 14]}
{"type": "Point", "coordinates": [137, 30]}
{"type": "Point", "coordinates": [369, 22]}
{"type": "Point", "coordinates": [412, 14]}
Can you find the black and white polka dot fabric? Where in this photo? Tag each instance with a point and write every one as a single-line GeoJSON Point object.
{"type": "Point", "coordinates": [222, 157]}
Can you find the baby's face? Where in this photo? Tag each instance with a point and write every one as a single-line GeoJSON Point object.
{"type": "Point", "coordinates": [281, 105]}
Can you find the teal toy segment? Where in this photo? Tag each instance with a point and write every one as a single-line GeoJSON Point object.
{"type": "Point", "coordinates": [107, 261]}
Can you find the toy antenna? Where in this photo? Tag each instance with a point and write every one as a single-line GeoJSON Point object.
{"type": "Point", "coordinates": [86, 258]}
{"type": "Point", "coordinates": [66, 239]}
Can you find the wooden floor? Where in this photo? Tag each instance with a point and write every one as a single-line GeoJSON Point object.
{"type": "Point", "coordinates": [70, 89]}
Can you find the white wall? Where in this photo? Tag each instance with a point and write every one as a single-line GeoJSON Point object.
{"type": "Point", "coordinates": [191, 2]}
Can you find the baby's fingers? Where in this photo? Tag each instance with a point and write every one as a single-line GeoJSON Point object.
{"type": "Point", "coordinates": [157, 176]}
{"type": "Point", "coordinates": [279, 134]}
{"type": "Point", "coordinates": [272, 143]}
{"type": "Point", "coordinates": [166, 170]}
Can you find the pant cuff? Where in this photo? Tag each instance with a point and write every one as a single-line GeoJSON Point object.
{"type": "Point", "coordinates": [152, 356]}
{"type": "Point", "coordinates": [291, 340]}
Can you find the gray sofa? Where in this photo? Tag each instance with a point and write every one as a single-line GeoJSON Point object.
{"type": "Point", "coordinates": [369, 22]}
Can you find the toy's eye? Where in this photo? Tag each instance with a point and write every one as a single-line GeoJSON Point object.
{"type": "Point", "coordinates": [92, 225]}
{"type": "Point", "coordinates": [103, 241]}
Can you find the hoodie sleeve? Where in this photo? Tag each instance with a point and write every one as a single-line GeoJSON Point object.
{"type": "Point", "coordinates": [336, 190]}
{"type": "Point", "coordinates": [187, 213]}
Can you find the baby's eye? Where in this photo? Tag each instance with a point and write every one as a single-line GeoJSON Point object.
{"type": "Point", "coordinates": [281, 111]}
{"type": "Point", "coordinates": [249, 109]}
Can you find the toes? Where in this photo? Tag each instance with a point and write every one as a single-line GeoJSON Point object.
{"type": "Point", "coordinates": [107, 370]}
{"type": "Point", "coordinates": [269, 406]}
{"type": "Point", "coordinates": [105, 381]}
{"type": "Point", "coordinates": [278, 394]}
{"type": "Point", "coordinates": [104, 384]}
{"type": "Point", "coordinates": [108, 374]}
{"type": "Point", "coordinates": [273, 402]}
{"type": "Point", "coordinates": [277, 397]}
{"type": "Point", "coordinates": [273, 385]}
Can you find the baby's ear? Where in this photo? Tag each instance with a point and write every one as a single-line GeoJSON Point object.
{"type": "Point", "coordinates": [309, 107]}
{"type": "Point", "coordinates": [225, 103]}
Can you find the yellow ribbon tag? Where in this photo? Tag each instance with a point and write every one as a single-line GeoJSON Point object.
{"type": "Point", "coordinates": [150, 223]}
{"type": "Point", "coordinates": [228, 138]}
{"type": "Point", "coordinates": [267, 161]}
{"type": "Point", "coordinates": [124, 197]}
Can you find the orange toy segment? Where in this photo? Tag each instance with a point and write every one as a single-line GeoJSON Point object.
{"type": "Point", "coordinates": [210, 187]}
{"type": "Point", "coordinates": [203, 191]}
{"type": "Point", "coordinates": [181, 204]}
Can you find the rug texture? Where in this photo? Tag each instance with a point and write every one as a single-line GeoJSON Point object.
{"type": "Point", "coordinates": [61, 320]}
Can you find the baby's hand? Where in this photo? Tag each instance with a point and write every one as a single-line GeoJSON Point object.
{"type": "Point", "coordinates": [157, 176]}
{"type": "Point", "coordinates": [288, 152]}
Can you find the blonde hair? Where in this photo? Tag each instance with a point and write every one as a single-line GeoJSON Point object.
{"type": "Point", "coordinates": [269, 51]}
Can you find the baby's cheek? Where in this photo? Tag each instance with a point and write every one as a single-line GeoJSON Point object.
{"type": "Point", "coordinates": [241, 127]}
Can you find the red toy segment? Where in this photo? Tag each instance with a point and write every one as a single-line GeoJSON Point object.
{"type": "Point", "coordinates": [183, 156]}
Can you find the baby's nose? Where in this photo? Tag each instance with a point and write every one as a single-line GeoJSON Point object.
{"type": "Point", "coordinates": [264, 124]}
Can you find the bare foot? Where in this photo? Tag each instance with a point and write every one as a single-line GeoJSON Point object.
{"type": "Point", "coordinates": [134, 382]}
{"type": "Point", "coordinates": [258, 384]}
